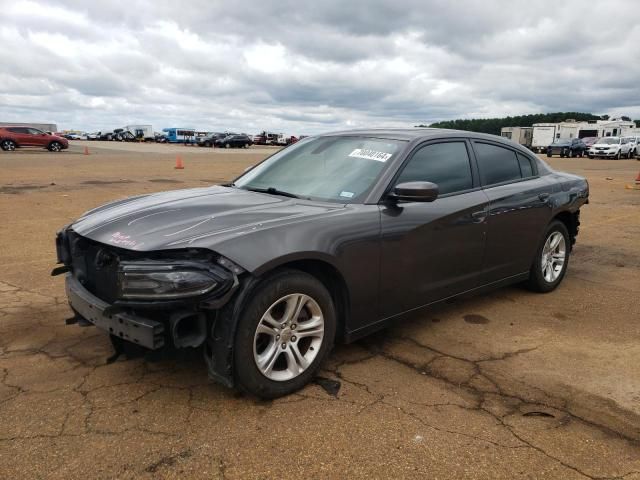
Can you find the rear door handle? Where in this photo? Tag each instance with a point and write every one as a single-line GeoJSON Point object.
{"type": "Point", "coordinates": [479, 216]}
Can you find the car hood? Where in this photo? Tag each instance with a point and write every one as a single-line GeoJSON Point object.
{"type": "Point", "coordinates": [605, 145]}
{"type": "Point", "coordinates": [199, 217]}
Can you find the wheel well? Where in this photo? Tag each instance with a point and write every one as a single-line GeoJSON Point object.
{"type": "Point", "coordinates": [572, 222]}
{"type": "Point", "coordinates": [332, 279]}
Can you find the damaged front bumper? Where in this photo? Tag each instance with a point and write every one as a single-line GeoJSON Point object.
{"type": "Point", "coordinates": [133, 328]}
{"type": "Point", "coordinates": [94, 293]}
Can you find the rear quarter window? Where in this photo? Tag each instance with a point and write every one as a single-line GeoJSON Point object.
{"type": "Point", "coordinates": [496, 164]}
{"type": "Point", "coordinates": [526, 167]}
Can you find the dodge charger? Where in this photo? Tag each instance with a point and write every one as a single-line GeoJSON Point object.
{"type": "Point", "coordinates": [326, 241]}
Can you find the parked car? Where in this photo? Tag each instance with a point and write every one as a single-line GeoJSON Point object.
{"type": "Point", "coordinates": [572, 147]}
{"type": "Point", "coordinates": [611, 147]}
{"type": "Point", "coordinates": [589, 141]}
{"type": "Point", "coordinates": [93, 136]}
{"type": "Point", "coordinates": [108, 136]}
{"type": "Point", "coordinates": [210, 140]}
{"type": "Point", "coordinates": [635, 145]}
{"type": "Point", "coordinates": [327, 240]}
{"type": "Point", "coordinates": [72, 136]}
{"type": "Point", "coordinates": [18, 137]}
{"type": "Point", "coordinates": [236, 141]}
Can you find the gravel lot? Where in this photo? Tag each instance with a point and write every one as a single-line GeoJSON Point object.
{"type": "Point", "coordinates": [507, 385]}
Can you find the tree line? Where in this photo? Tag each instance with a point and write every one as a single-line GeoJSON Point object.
{"type": "Point", "coordinates": [494, 125]}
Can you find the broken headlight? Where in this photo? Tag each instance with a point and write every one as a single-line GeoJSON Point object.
{"type": "Point", "coordinates": [154, 280]}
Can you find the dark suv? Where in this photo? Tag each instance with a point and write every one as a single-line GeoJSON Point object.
{"type": "Point", "coordinates": [17, 137]}
{"type": "Point", "coordinates": [234, 141]}
{"type": "Point", "coordinates": [210, 140]}
{"type": "Point", "coordinates": [572, 147]}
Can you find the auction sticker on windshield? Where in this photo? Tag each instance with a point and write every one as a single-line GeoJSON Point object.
{"type": "Point", "coordinates": [371, 154]}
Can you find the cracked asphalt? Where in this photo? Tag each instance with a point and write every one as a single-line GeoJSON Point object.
{"type": "Point", "coordinates": [506, 385]}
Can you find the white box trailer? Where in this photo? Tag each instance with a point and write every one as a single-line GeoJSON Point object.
{"type": "Point", "coordinates": [569, 130]}
{"type": "Point", "coordinates": [141, 131]}
{"type": "Point", "coordinates": [521, 135]}
{"type": "Point", "coordinates": [544, 134]}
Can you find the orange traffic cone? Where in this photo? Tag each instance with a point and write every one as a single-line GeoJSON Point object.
{"type": "Point", "coordinates": [637, 184]}
{"type": "Point", "coordinates": [86, 150]}
{"type": "Point", "coordinates": [179, 165]}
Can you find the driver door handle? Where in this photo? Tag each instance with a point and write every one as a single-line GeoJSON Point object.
{"type": "Point", "coordinates": [544, 197]}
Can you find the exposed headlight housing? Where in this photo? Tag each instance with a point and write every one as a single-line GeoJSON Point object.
{"type": "Point", "coordinates": [158, 280]}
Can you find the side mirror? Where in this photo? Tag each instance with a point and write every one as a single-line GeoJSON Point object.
{"type": "Point", "coordinates": [415, 192]}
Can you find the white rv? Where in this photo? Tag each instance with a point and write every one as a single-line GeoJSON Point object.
{"type": "Point", "coordinates": [521, 135]}
{"type": "Point", "coordinates": [544, 134]}
{"type": "Point", "coordinates": [141, 131]}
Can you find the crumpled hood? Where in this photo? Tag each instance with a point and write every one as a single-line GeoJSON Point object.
{"type": "Point", "coordinates": [198, 217]}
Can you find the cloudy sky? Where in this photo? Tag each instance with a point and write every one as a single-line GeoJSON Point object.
{"type": "Point", "coordinates": [306, 67]}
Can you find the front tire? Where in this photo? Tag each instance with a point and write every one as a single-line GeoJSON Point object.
{"type": "Point", "coordinates": [8, 145]}
{"type": "Point", "coordinates": [284, 333]}
{"type": "Point", "coordinates": [551, 260]}
{"type": "Point", "coordinates": [227, 145]}
{"type": "Point", "coordinates": [619, 155]}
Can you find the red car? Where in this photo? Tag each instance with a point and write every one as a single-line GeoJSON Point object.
{"type": "Point", "coordinates": [17, 137]}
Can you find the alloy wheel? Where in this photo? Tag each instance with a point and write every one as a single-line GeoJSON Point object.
{"type": "Point", "coordinates": [288, 337]}
{"type": "Point", "coordinates": [8, 146]}
{"type": "Point", "coordinates": [554, 255]}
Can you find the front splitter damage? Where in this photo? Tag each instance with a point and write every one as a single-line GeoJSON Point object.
{"type": "Point", "coordinates": [92, 281]}
{"type": "Point", "coordinates": [134, 330]}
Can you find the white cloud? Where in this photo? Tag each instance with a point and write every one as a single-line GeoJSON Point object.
{"type": "Point", "coordinates": [306, 67]}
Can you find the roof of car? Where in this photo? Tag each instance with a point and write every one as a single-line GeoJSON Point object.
{"type": "Point", "coordinates": [415, 133]}
{"type": "Point", "coordinates": [421, 133]}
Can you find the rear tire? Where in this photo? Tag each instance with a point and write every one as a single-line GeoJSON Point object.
{"type": "Point", "coordinates": [8, 145]}
{"type": "Point", "coordinates": [226, 145]}
{"type": "Point", "coordinates": [54, 147]}
{"type": "Point", "coordinates": [551, 260]}
{"type": "Point", "coordinates": [549, 154]}
{"type": "Point", "coordinates": [261, 366]}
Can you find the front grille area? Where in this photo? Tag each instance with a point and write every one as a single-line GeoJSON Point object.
{"type": "Point", "coordinates": [95, 266]}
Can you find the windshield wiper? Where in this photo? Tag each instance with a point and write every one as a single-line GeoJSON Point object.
{"type": "Point", "coordinates": [272, 191]}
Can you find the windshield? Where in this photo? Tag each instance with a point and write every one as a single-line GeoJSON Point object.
{"type": "Point", "coordinates": [609, 141]}
{"type": "Point", "coordinates": [337, 169]}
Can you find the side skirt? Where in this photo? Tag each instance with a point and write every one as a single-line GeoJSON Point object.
{"type": "Point", "coordinates": [351, 336]}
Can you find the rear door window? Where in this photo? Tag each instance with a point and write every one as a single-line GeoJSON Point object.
{"type": "Point", "coordinates": [496, 164]}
